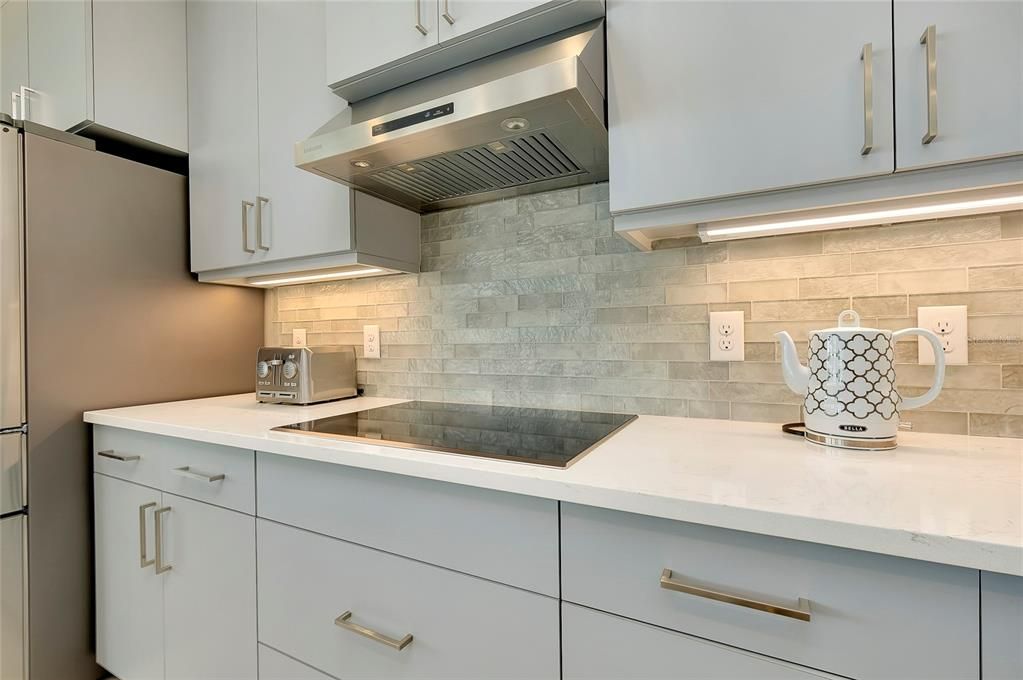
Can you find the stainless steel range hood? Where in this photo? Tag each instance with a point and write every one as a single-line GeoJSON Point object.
{"type": "Point", "coordinates": [525, 120]}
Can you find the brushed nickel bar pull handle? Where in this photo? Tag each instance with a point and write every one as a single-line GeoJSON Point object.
{"type": "Point", "coordinates": [344, 622]}
{"type": "Point", "coordinates": [801, 612]}
{"type": "Point", "coordinates": [867, 57]}
{"type": "Point", "coordinates": [123, 457]}
{"type": "Point", "coordinates": [157, 519]}
{"type": "Point", "coordinates": [245, 226]}
{"type": "Point", "coordinates": [447, 14]}
{"type": "Point", "coordinates": [144, 560]}
{"type": "Point", "coordinates": [260, 200]}
{"type": "Point", "coordinates": [187, 471]}
{"type": "Point", "coordinates": [930, 39]}
{"type": "Point", "coordinates": [419, 18]}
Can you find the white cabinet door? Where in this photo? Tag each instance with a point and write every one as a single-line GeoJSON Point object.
{"type": "Point", "coordinates": [302, 214]}
{"type": "Point", "coordinates": [60, 58]}
{"type": "Point", "coordinates": [1001, 607]}
{"type": "Point", "coordinates": [210, 592]}
{"type": "Point", "coordinates": [365, 34]}
{"type": "Point", "coordinates": [13, 52]}
{"type": "Point", "coordinates": [129, 596]}
{"type": "Point", "coordinates": [140, 74]}
{"type": "Point", "coordinates": [223, 133]}
{"type": "Point", "coordinates": [977, 85]}
{"type": "Point", "coordinates": [459, 17]}
{"type": "Point", "coordinates": [711, 99]}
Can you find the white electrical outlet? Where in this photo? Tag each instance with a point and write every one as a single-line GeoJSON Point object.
{"type": "Point", "coordinates": [727, 336]}
{"type": "Point", "coordinates": [949, 323]}
{"type": "Point", "coordinates": [298, 337]}
{"type": "Point", "coordinates": [371, 342]}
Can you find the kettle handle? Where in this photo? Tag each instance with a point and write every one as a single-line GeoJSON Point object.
{"type": "Point", "coordinates": [939, 368]}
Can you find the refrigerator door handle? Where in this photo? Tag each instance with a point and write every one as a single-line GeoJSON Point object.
{"type": "Point", "coordinates": [12, 465]}
{"type": "Point", "coordinates": [12, 392]}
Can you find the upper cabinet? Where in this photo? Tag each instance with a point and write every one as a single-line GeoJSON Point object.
{"type": "Point", "coordinates": [112, 67]}
{"type": "Point", "coordinates": [723, 111]}
{"type": "Point", "coordinates": [60, 64]}
{"type": "Point", "coordinates": [719, 98]}
{"type": "Point", "coordinates": [255, 79]}
{"type": "Point", "coordinates": [374, 46]}
{"type": "Point", "coordinates": [365, 34]}
{"type": "Point", "coordinates": [292, 103]}
{"type": "Point", "coordinates": [959, 81]}
{"type": "Point", "coordinates": [13, 54]}
{"type": "Point", "coordinates": [223, 133]}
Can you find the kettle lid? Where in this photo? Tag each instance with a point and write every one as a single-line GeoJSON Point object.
{"type": "Point", "coordinates": [848, 320]}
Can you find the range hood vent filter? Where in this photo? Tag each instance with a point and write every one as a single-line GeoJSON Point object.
{"type": "Point", "coordinates": [480, 169]}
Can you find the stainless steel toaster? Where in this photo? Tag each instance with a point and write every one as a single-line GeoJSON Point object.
{"type": "Point", "coordinates": [305, 375]}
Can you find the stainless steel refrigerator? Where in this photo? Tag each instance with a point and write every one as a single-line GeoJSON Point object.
{"type": "Point", "coordinates": [97, 309]}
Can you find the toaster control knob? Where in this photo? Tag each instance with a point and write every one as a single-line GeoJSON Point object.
{"type": "Point", "coordinates": [262, 369]}
{"type": "Point", "coordinates": [290, 370]}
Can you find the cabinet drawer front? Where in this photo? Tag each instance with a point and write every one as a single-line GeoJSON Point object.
{"type": "Point", "coordinates": [461, 626]}
{"type": "Point", "coordinates": [178, 466]}
{"type": "Point", "coordinates": [276, 666]}
{"type": "Point", "coordinates": [599, 646]}
{"type": "Point", "coordinates": [500, 536]}
{"type": "Point", "coordinates": [872, 616]}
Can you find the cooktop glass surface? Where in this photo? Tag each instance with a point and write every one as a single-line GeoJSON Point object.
{"type": "Point", "coordinates": [526, 435]}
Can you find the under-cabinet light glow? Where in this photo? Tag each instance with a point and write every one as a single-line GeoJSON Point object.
{"type": "Point", "coordinates": [305, 278]}
{"type": "Point", "coordinates": [721, 233]}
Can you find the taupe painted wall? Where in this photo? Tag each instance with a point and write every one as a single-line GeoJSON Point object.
{"type": "Point", "coordinates": [534, 301]}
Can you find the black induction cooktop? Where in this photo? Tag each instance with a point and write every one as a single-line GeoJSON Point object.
{"type": "Point", "coordinates": [525, 435]}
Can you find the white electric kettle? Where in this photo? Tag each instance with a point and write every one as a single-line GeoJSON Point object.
{"type": "Point", "coordinates": [850, 400]}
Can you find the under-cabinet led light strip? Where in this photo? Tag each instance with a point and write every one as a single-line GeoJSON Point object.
{"type": "Point", "coordinates": [303, 278]}
{"type": "Point", "coordinates": [726, 232]}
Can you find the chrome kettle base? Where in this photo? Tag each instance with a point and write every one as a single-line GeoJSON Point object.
{"type": "Point", "coordinates": [883, 444]}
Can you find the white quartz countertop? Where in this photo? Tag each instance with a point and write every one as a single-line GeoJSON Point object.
{"type": "Point", "coordinates": [943, 498]}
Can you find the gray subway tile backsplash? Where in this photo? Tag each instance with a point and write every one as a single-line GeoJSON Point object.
{"type": "Point", "coordinates": [532, 301]}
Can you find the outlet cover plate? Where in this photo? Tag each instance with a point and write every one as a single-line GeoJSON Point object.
{"type": "Point", "coordinates": [298, 337]}
{"type": "Point", "coordinates": [371, 342]}
{"type": "Point", "coordinates": [950, 325]}
{"type": "Point", "coordinates": [727, 336]}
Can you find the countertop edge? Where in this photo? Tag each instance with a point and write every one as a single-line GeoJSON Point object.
{"type": "Point", "coordinates": [948, 550]}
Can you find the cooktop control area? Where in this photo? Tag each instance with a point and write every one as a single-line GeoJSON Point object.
{"type": "Point", "coordinates": [524, 435]}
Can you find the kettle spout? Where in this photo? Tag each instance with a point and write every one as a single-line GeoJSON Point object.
{"type": "Point", "coordinates": [796, 375]}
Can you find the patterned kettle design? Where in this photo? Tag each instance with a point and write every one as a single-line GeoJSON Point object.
{"type": "Point", "coordinates": [849, 394]}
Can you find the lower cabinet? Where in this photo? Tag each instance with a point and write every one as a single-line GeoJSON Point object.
{"type": "Point", "coordinates": [599, 646]}
{"type": "Point", "coordinates": [129, 594]}
{"type": "Point", "coordinates": [851, 613]}
{"type": "Point", "coordinates": [209, 595]}
{"type": "Point", "coordinates": [350, 589]}
{"type": "Point", "coordinates": [175, 586]}
{"type": "Point", "coordinates": [1001, 626]}
{"type": "Point", "coordinates": [354, 612]}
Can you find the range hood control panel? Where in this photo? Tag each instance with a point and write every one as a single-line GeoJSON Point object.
{"type": "Point", "coordinates": [414, 118]}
